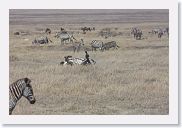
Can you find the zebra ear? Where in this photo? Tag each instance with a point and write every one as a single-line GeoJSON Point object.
{"type": "Point", "coordinates": [27, 81]}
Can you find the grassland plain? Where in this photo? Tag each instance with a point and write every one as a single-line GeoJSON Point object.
{"type": "Point", "coordinates": [133, 80]}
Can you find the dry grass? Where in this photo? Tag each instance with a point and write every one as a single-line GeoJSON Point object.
{"type": "Point", "coordinates": [131, 80]}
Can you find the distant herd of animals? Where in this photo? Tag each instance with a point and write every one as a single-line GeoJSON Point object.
{"type": "Point", "coordinates": [22, 87]}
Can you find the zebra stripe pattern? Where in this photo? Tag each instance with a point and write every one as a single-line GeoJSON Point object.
{"type": "Point", "coordinates": [96, 44]}
{"type": "Point", "coordinates": [21, 87]}
{"type": "Point", "coordinates": [76, 61]}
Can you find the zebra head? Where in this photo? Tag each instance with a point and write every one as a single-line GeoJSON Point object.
{"type": "Point", "coordinates": [28, 91]}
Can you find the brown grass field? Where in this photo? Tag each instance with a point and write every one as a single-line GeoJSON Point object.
{"type": "Point", "coordinates": [133, 80]}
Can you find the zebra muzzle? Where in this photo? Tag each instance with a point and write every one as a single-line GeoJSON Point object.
{"type": "Point", "coordinates": [32, 101]}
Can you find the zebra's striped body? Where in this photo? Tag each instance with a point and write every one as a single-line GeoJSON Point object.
{"type": "Point", "coordinates": [78, 45]}
{"type": "Point", "coordinates": [96, 44]}
{"type": "Point", "coordinates": [137, 33]}
{"type": "Point", "coordinates": [160, 33]}
{"type": "Point", "coordinates": [21, 87]}
{"type": "Point", "coordinates": [42, 40]}
{"type": "Point", "coordinates": [111, 44]}
{"type": "Point", "coordinates": [76, 61]}
{"type": "Point", "coordinates": [65, 37]}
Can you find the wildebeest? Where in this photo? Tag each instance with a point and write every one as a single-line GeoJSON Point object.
{"type": "Point", "coordinates": [16, 33]}
{"type": "Point", "coordinates": [86, 29]}
{"type": "Point", "coordinates": [42, 40]}
{"type": "Point", "coordinates": [77, 45]}
{"type": "Point", "coordinates": [48, 31]}
{"type": "Point", "coordinates": [96, 44]}
{"type": "Point", "coordinates": [111, 44]}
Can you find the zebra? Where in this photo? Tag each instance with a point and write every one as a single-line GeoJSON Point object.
{"type": "Point", "coordinates": [42, 40]}
{"type": "Point", "coordinates": [166, 30]}
{"type": "Point", "coordinates": [96, 44]}
{"type": "Point", "coordinates": [155, 31]}
{"type": "Point", "coordinates": [69, 60]}
{"type": "Point", "coordinates": [21, 87]}
{"type": "Point", "coordinates": [65, 36]}
{"type": "Point", "coordinates": [160, 33]}
{"type": "Point", "coordinates": [109, 45]}
{"type": "Point", "coordinates": [77, 61]}
{"type": "Point", "coordinates": [137, 33]}
{"type": "Point", "coordinates": [78, 45]}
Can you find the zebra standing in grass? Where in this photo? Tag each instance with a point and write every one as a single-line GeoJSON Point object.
{"type": "Point", "coordinates": [42, 40]}
{"type": "Point", "coordinates": [111, 44]}
{"type": "Point", "coordinates": [137, 33]}
{"type": "Point", "coordinates": [78, 45]}
{"type": "Point", "coordinates": [160, 33]}
{"type": "Point", "coordinates": [65, 37]}
{"type": "Point", "coordinates": [96, 44]}
{"type": "Point", "coordinates": [21, 87]}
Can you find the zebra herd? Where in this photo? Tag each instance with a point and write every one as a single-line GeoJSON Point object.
{"type": "Point", "coordinates": [137, 33]}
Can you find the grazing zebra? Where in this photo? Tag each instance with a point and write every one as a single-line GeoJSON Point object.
{"type": "Point", "coordinates": [64, 36]}
{"type": "Point", "coordinates": [111, 44]}
{"type": "Point", "coordinates": [42, 40]}
{"type": "Point", "coordinates": [78, 45]}
{"type": "Point", "coordinates": [96, 44]}
{"type": "Point", "coordinates": [21, 87]}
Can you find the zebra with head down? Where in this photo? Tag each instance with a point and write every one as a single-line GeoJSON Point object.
{"type": "Point", "coordinates": [65, 37]}
{"type": "Point", "coordinates": [97, 44]}
{"type": "Point", "coordinates": [42, 40]}
{"type": "Point", "coordinates": [21, 87]}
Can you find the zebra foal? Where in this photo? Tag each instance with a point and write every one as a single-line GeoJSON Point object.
{"type": "Point", "coordinates": [21, 87]}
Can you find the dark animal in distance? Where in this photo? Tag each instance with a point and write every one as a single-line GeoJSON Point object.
{"type": "Point", "coordinates": [48, 31]}
{"type": "Point", "coordinates": [21, 87]}
{"type": "Point", "coordinates": [16, 33]}
{"type": "Point", "coordinates": [85, 29]}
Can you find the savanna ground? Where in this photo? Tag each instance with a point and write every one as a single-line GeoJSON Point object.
{"type": "Point", "coordinates": [131, 80]}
